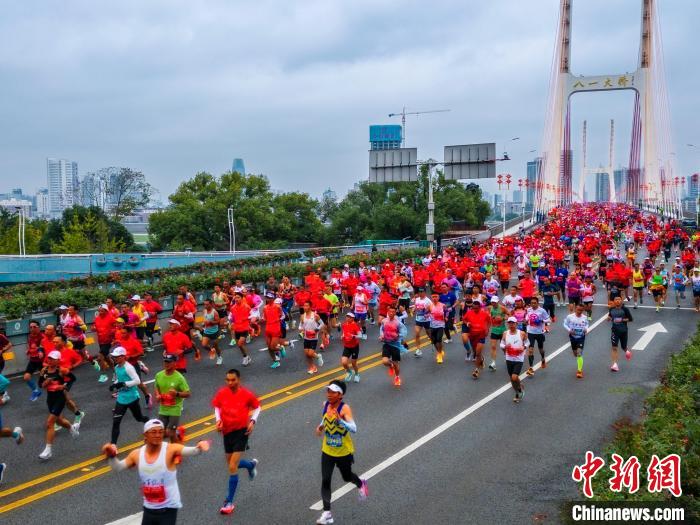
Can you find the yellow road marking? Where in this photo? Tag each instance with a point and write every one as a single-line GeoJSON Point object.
{"type": "Point", "coordinates": [206, 420]}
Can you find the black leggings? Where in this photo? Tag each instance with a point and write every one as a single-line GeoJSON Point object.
{"type": "Point", "coordinates": [344, 464]}
{"type": "Point", "coordinates": [159, 516]}
{"type": "Point", "coordinates": [119, 411]}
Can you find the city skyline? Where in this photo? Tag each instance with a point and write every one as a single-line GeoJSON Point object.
{"type": "Point", "coordinates": [313, 99]}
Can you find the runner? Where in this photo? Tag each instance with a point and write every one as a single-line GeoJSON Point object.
{"type": "Point", "coordinates": [438, 315]}
{"type": "Point", "coordinates": [35, 358]}
{"type": "Point", "coordinates": [421, 308]}
{"type": "Point", "coordinates": [513, 345]}
{"type": "Point", "coordinates": [498, 314]}
{"type": "Point", "coordinates": [104, 326]}
{"type": "Point", "coordinates": [537, 321]}
{"type": "Point", "coordinates": [352, 332]}
{"type": "Point", "coordinates": [54, 379]}
{"type": "Point", "coordinates": [126, 386]}
{"type": "Point", "coordinates": [390, 335]}
{"type": "Point", "coordinates": [14, 433]}
{"type": "Point", "coordinates": [337, 449]}
{"type": "Point", "coordinates": [309, 327]}
{"type": "Point", "coordinates": [176, 343]}
{"type": "Point", "coordinates": [359, 307]}
{"type": "Point", "coordinates": [576, 325]}
{"type": "Point", "coordinates": [478, 322]}
{"type": "Point", "coordinates": [638, 282]}
{"type": "Point", "coordinates": [240, 321]}
{"type": "Point", "coordinates": [210, 332]}
{"type": "Point", "coordinates": [236, 410]}
{"type": "Point", "coordinates": [680, 280]}
{"type": "Point", "coordinates": [695, 283]}
{"type": "Point", "coordinates": [157, 468]}
{"type": "Point", "coordinates": [171, 389]}
{"type": "Point", "coordinates": [619, 315]}
{"type": "Point", "coordinates": [656, 287]}
{"type": "Point", "coordinates": [153, 309]}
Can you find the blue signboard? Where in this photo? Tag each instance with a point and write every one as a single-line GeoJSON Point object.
{"type": "Point", "coordinates": [385, 133]}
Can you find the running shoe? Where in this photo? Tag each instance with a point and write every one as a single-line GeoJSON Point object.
{"type": "Point", "coordinates": [579, 374]}
{"type": "Point", "coordinates": [312, 370]}
{"type": "Point", "coordinates": [219, 360]}
{"type": "Point", "coordinates": [212, 354]}
{"type": "Point", "coordinates": [46, 453]}
{"type": "Point", "coordinates": [530, 371]}
{"type": "Point", "coordinates": [3, 467]}
{"type": "Point", "coordinates": [448, 341]}
{"type": "Point", "coordinates": [5, 398]}
{"type": "Point", "coordinates": [492, 366]}
{"type": "Point", "coordinates": [397, 381]}
{"type": "Point", "coordinates": [348, 376]}
{"type": "Point", "coordinates": [17, 431]}
{"type": "Point", "coordinates": [254, 471]}
{"type": "Point", "coordinates": [363, 490]}
{"type": "Point", "coordinates": [356, 378]}
{"type": "Point", "coordinates": [614, 368]}
{"type": "Point", "coordinates": [74, 430]}
{"type": "Point", "coordinates": [319, 360]}
{"type": "Point", "coordinates": [248, 339]}
{"type": "Point", "coordinates": [227, 508]}
{"type": "Point", "coordinates": [79, 418]}
{"type": "Point", "coordinates": [275, 364]}
{"type": "Point", "coordinates": [635, 306]}
{"type": "Point", "coordinates": [323, 347]}
{"type": "Point", "coordinates": [544, 363]}
{"type": "Point", "coordinates": [35, 395]}
{"type": "Point", "coordinates": [246, 360]}
{"type": "Point", "coordinates": [521, 394]}
{"type": "Point", "coordinates": [657, 308]}
{"type": "Point", "coordinates": [102, 379]}
{"type": "Point", "coordinates": [516, 398]}
{"type": "Point", "coordinates": [438, 358]}
{"type": "Point", "coordinates": [628, 355]}
{"type": "Point", "coordinates": [232, 342]}
{"type": "Point", "coordinates": [419, 353]}
{"type": "Point", "coordinates": [475, 373]}
{"type": "Point", "coordinates": [96, 365]}
{"type": "Point", "coordinates": [364, 336]}
{"type": "Point", "coordinates": [325, 519]}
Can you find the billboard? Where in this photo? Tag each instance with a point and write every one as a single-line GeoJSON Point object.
{"type": "Point", "coordinates": [393, 165]}
{"type": "Point", "coordinates": [470, 161]}
{"type": "Point", "coordinates": [385, 133]}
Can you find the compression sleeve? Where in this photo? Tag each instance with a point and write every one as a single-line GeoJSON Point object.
{"type": "Point", "coordinates": [217, 414]}
{"type": "Point", "coordinates": [134, 377]}
{"type": "Point", "coordinates": [190, 451]}
{"type": "Point", "coordinates": [349, 425]}
{"type": "Point", "coordinates": [117, 465]}
{"type": "Point", "coordinates": [255, 415]}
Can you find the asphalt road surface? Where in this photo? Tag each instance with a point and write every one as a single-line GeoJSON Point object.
{"type": "Point", "coordinates": [441, 449]}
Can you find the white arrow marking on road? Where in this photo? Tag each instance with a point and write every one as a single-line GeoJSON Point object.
{"type": "Point", "coordinates": [649, 333]}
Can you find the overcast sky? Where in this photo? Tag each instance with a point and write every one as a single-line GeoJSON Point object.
{"type": "Point", "coordinates": [173, 87]}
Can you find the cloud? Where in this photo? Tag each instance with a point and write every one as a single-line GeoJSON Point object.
{"type": "Point", "coordinates": [175, 87]}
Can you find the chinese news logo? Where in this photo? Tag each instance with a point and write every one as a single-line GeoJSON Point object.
{"type": "Point", "coordinates": [662, 474]}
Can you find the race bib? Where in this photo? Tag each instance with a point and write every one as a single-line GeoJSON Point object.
{"type": "Point", "coordinates": [334, 440]}
{"type": "Point", "coordinates": [153, 493]}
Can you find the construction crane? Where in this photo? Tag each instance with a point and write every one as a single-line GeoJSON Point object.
{"type": "Point", "coordinates": [403, 119]}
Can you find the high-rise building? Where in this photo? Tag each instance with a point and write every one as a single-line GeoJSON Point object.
{"type": "Point", "coordinates": [602, 187]}
{"type": "Point", "coordinates": [63, 184]}
{"type": "Point", "coordinates": [386, 136]}
{"type": "Point", "coordinates": [42, 202]}
{"type": "Point", "coordinates": [620, 180]}
{"type": "Point", "coordinates": [533, 170]}
{"type": "Point", "coordinates": [238, 166]}
{"type": "Point", "coordinates": [517, 197]}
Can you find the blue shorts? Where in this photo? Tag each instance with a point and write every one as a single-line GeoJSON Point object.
{"type": "Point", "coordinates": [360, 317]}
{"type": "Point", "coordinates": [423, 324]}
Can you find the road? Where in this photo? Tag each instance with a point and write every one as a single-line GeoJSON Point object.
{"type": "Point", "coordinates": [442, 448]}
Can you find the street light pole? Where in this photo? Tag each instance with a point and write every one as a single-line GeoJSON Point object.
{"type": "Point", "coordinates": [20, 231]}
{"type": "Point", "coordinates": [430, 227]}
{"type": "Point", "coordinates": [231, 232]}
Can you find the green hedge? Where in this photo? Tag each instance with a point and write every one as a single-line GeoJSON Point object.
{"type": "Point", "coordinates": [22, 300]}
{"type": "Point", "coordinates": [670, 425]}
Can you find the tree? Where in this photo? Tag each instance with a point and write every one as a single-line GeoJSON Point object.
{"type": "Point", "coordinates": [9, 235]}
{"type": "Point", "coordinates": [198, 211]}
{"type": "Point", "coordinates": [327, 207]}
{"type": "Point", "coordinates": [85, 230]}
{"type": "Point", "coordinates": [117, 191]}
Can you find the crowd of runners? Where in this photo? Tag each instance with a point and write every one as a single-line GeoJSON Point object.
{"type": "Point", "coordinates": [499, 299]}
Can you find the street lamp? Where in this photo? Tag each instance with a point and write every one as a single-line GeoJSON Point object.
{"type": "Point", "coordinates": [231, 232]}
{"type": "Point", "coordinates": [20, 230]}
{"type": "Point", "coordinates": [504, 179]}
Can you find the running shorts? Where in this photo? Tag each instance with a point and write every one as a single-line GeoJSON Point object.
{"type": "Point", "coordinates": [324, 318]}
{"type": "Point", "coordinates": [514, 367]}
{"type": "Point", "coordinates": [351, 352]}
{"type": "Point", "coordinates": [32, 366]}
{"type": "Point", "coordinates": [105, 348]}
{"type": "Point", "coordinates": [360, 317]}
{"type": "Point", "coordinates": [236, 441]}
{"type": "Point", "coordinates": [238, 335]}
{"type": "Point", "coordinates": [391, 351]}
{"type": "Point", "coordinates": [496, 337]}
{"type": "Point", "coordinates": [536, 338]}
{"type": "Point", "coordinates": [169, 422]}
{"type": "Point", "coordinates": [56, 404]}
{"type": "Point", "coordinates": [213, 336]}
{"type": "Point", "coordinates": [436, 335]}
{"type": "Point", "coordinates": [619, 337]}
{"type": "Point", "coordinates": [423, 324]}
{"type": "Point", "coordinates": [577, 342]}
{"type": "Point", "coordinates": [574, 300]}
{"type": "Point", "coordinates": [310, 344]}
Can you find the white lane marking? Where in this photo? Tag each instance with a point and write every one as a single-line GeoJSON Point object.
{"type": "Point", "coordinates": [134, 519]}
{"type": "Point", "coordinates": [442, 428]}
{"type": "Point", "coordinates": [649, 332]}
{"type": "Point", "coordinates": [644, 306]}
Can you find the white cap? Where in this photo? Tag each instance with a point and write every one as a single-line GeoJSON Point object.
{"type": "Point", "coordinates": [494, 299]}
{"type": "Point", "coordinates": [118, 351]}
{"type": "Point", "coordinates": [278, 300]}
{"type": "Point", "coordinates": [151, 424]}
{"type": "Point", "coordinates": [350, 314]}
{"type": "Point", "coordinates": [104, 307]}
{"type": "Point", "coordinates": [512, 320]}
{"type": "Point", "coordinates": [334, 388]}
{"type": "Point", "coordinates": [135, 297]}
{"type": "Point", "coordinates": [360, 287]}
{"type": "Point", "coordinates": [54, 354]}
{"type": "Point", "coordinates": [63, 307]}
{"type": "Point", "coordinates": [174, 321]}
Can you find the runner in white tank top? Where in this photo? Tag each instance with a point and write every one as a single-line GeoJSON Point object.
{"type": "Point", "coordinates": [309, 325]}
{"type": "Point", "coordinates": [513, 345]}
{"type": "Point", "coordinates": [157, 463]}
